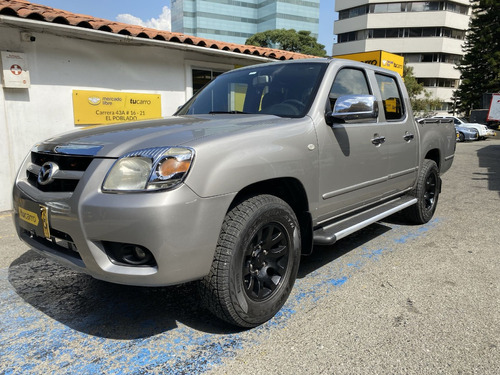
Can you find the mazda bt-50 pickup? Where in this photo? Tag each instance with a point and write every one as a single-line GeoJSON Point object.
{"type": "Point", "coordinates": [250, 174]}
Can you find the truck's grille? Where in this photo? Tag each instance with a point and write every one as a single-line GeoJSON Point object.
{"type": "Point", "coordinates": [70, 170]}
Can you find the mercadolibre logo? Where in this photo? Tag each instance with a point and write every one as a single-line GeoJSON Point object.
{"type": "Point", "coordinates": [94, 100]}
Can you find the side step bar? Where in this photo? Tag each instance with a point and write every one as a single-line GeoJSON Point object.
{"type": "Point", "coordinates": [329, 234]}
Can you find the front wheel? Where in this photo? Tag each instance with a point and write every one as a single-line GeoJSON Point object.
{"type": "Point", "coordinates": [427, 194]}
{"type": "Point", "coordinates": [255, 263]}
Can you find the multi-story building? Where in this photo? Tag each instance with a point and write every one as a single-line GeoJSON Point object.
{"type": "Point", "coordinates": [429, 34]}
{"type": "Point", "coordinates": [234, 21]}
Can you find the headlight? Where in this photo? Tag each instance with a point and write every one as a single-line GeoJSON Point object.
{"type": "Point", "coordinates": [149, 169]}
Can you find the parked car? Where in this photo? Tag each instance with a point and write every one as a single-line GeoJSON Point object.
{"type": "Point", "coordinates": [466, 134]}
{"type": "Point", "coordinates": [483, 130]}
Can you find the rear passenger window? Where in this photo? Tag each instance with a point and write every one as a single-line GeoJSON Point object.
{"type": "Point", "coordinates": [391, 97]}
{"type": "Point", "coordinates": [348, 82]}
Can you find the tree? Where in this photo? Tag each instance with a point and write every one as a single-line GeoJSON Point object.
{"type": "Point", "coordinates": [422, 101]}
{"type": "Point", "coordinates": [288, 40]}
{"type": "Point", "coordinates": [480, 66]}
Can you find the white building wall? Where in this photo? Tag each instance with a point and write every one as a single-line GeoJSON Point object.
{"type": "Point", "coordinates": [61, 60]}
{"type": "Point", "coordinates": [441, 92]}
{"type": "Point", "coordinates": [8, 167]}
{"type": "Point", "coordinates": [408, 19]}
{"type": "Point", "coordinates": [435, 70]}
{"type": "Point", "coordinates": [414, 45]}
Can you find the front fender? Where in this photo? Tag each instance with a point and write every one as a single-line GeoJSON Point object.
{"type": "Point", "coordinates": [227, 164]}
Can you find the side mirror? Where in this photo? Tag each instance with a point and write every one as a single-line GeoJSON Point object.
{"type": "Point", "coordinates": [353, 109]}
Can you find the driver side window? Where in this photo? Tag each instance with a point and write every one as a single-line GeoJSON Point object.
{"type": "Point", "coordinates": [348, 81]}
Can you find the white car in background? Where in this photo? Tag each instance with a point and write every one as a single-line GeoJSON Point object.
{"type": "Point", "coordinates": [483, 130]}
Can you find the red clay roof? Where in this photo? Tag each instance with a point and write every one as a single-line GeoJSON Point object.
{"type": "Point", "coordinates": [28, 10]}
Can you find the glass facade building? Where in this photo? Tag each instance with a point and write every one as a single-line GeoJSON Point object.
{"type": "Point", "coordinates": [234, 21]}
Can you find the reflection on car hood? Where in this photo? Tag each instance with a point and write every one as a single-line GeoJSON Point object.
{"type": "Point", "coordinates": [116, 140]}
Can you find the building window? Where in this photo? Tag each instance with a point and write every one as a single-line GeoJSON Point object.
{"type": "Point", "coordinates": [415, 6]}
{"type": "Point", "coordinates": [446, 58]}
{"type": "Point", "coordinates": [202, 76]}
{"type": "Point", "coordinates": [378, 8]}
{"type": "Point", "coordinates": [394, 8]}
{"type": "Point", "coordinates": [444, 107]}
{"type": "Point", "coordinates": [412, 32]}
{"type": "Point", "coordinates": [415, 32]}
{"type": "Point", "coordinates": [439, 82]}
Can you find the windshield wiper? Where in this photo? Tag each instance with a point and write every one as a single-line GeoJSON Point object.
{"type": "Point", "coordinates": [227, 112]}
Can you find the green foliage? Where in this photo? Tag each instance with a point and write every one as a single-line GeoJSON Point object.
{"type": "Point", "coordinates": [480, 66]}
{"type": "Point", "coordinates": [288, 40]}
{"type": "Point", "coordinates": [422, 101]}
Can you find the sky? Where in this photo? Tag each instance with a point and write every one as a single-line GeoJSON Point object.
{"type": "Point", "coordinates": [157, 13]}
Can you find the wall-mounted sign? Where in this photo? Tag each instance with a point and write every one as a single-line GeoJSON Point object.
{"type": "Point", "coordinates": [15, 73]}
{"type": "Point", "coordinates": [103, 107]}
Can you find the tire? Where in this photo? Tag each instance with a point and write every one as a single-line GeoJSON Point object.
{"type": "Point", "coordinates": [427, 194]}
{"type": "Point", "coordinates": [255, 263]}
{"type": "Point", "coordinates": [461, 137]}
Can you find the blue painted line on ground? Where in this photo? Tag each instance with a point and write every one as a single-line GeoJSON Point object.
{"type": "Point", "coordinates": [32, 342]}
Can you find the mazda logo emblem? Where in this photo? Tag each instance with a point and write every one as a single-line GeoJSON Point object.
{"type": "Point", "coordinates": [47, 172]}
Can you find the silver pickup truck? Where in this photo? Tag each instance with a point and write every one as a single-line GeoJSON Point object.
{"type": "Point", "coordinates": [253, 171]}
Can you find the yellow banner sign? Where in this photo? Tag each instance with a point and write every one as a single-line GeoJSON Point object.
{"type": "Point", "coordinates": [103, 107]}
{"type": "Point", "coordinates": [379, 58]}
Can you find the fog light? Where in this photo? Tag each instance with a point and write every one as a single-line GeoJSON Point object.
{"type": "Point", "coordinates": [136, 255]}
{"type": "Point", "coordinates": [129, 254]}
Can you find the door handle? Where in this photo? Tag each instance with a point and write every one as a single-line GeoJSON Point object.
{"type": "Point", "coordinates": [408, 137]}
{"type": "Point", "coordinates": [378, 139]}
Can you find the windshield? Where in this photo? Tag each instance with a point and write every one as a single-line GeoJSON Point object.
{"type": "Point", "coordinates": [281, 89]}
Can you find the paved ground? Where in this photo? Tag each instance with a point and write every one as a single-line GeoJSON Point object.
{"type": "Point", "coordinates": [391, 299]}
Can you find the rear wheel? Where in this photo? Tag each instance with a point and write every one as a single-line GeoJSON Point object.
{"type": "Point", "coordinates": [255, 263]}
{"type": "Point", "coordinates": [427, 194]}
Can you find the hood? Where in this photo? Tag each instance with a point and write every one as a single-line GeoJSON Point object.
{"type": "Point", "coordinates": [115, 140]}
{"type": "Point", "coordinates": [465, 129]}
{"type": "Point", "coordinates": [473, 124]}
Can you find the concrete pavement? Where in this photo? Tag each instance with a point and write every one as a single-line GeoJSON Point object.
{"type": "Point", "coordinates": [391, 299]}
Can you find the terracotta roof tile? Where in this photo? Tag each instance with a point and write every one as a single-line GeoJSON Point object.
{"type": "Point", "coordinates": [26, 9]}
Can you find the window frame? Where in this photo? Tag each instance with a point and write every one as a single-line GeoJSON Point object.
{"type": "Point", "coordinates": [329, 106]}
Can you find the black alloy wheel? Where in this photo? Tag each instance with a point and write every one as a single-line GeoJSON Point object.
{"type": "Point", "coordinates": [431, 190]}
{"type": "Point", "coordinates": [266, 261]}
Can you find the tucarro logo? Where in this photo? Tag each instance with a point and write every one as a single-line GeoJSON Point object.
{"type": "Point", "coordinates": [140, 101]}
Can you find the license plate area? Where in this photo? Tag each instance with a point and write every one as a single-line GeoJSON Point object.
{"type": "Point", "coordinates": [34, 217]}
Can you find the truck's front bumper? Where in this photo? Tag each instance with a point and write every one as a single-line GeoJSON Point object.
{"type": "Point", "coordinates": [177, 227]}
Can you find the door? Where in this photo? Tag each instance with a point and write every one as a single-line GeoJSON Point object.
{"type": "Point", "coordinates": [353, 162]}
{"type": "Point", "coordinates": [401, 139]}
